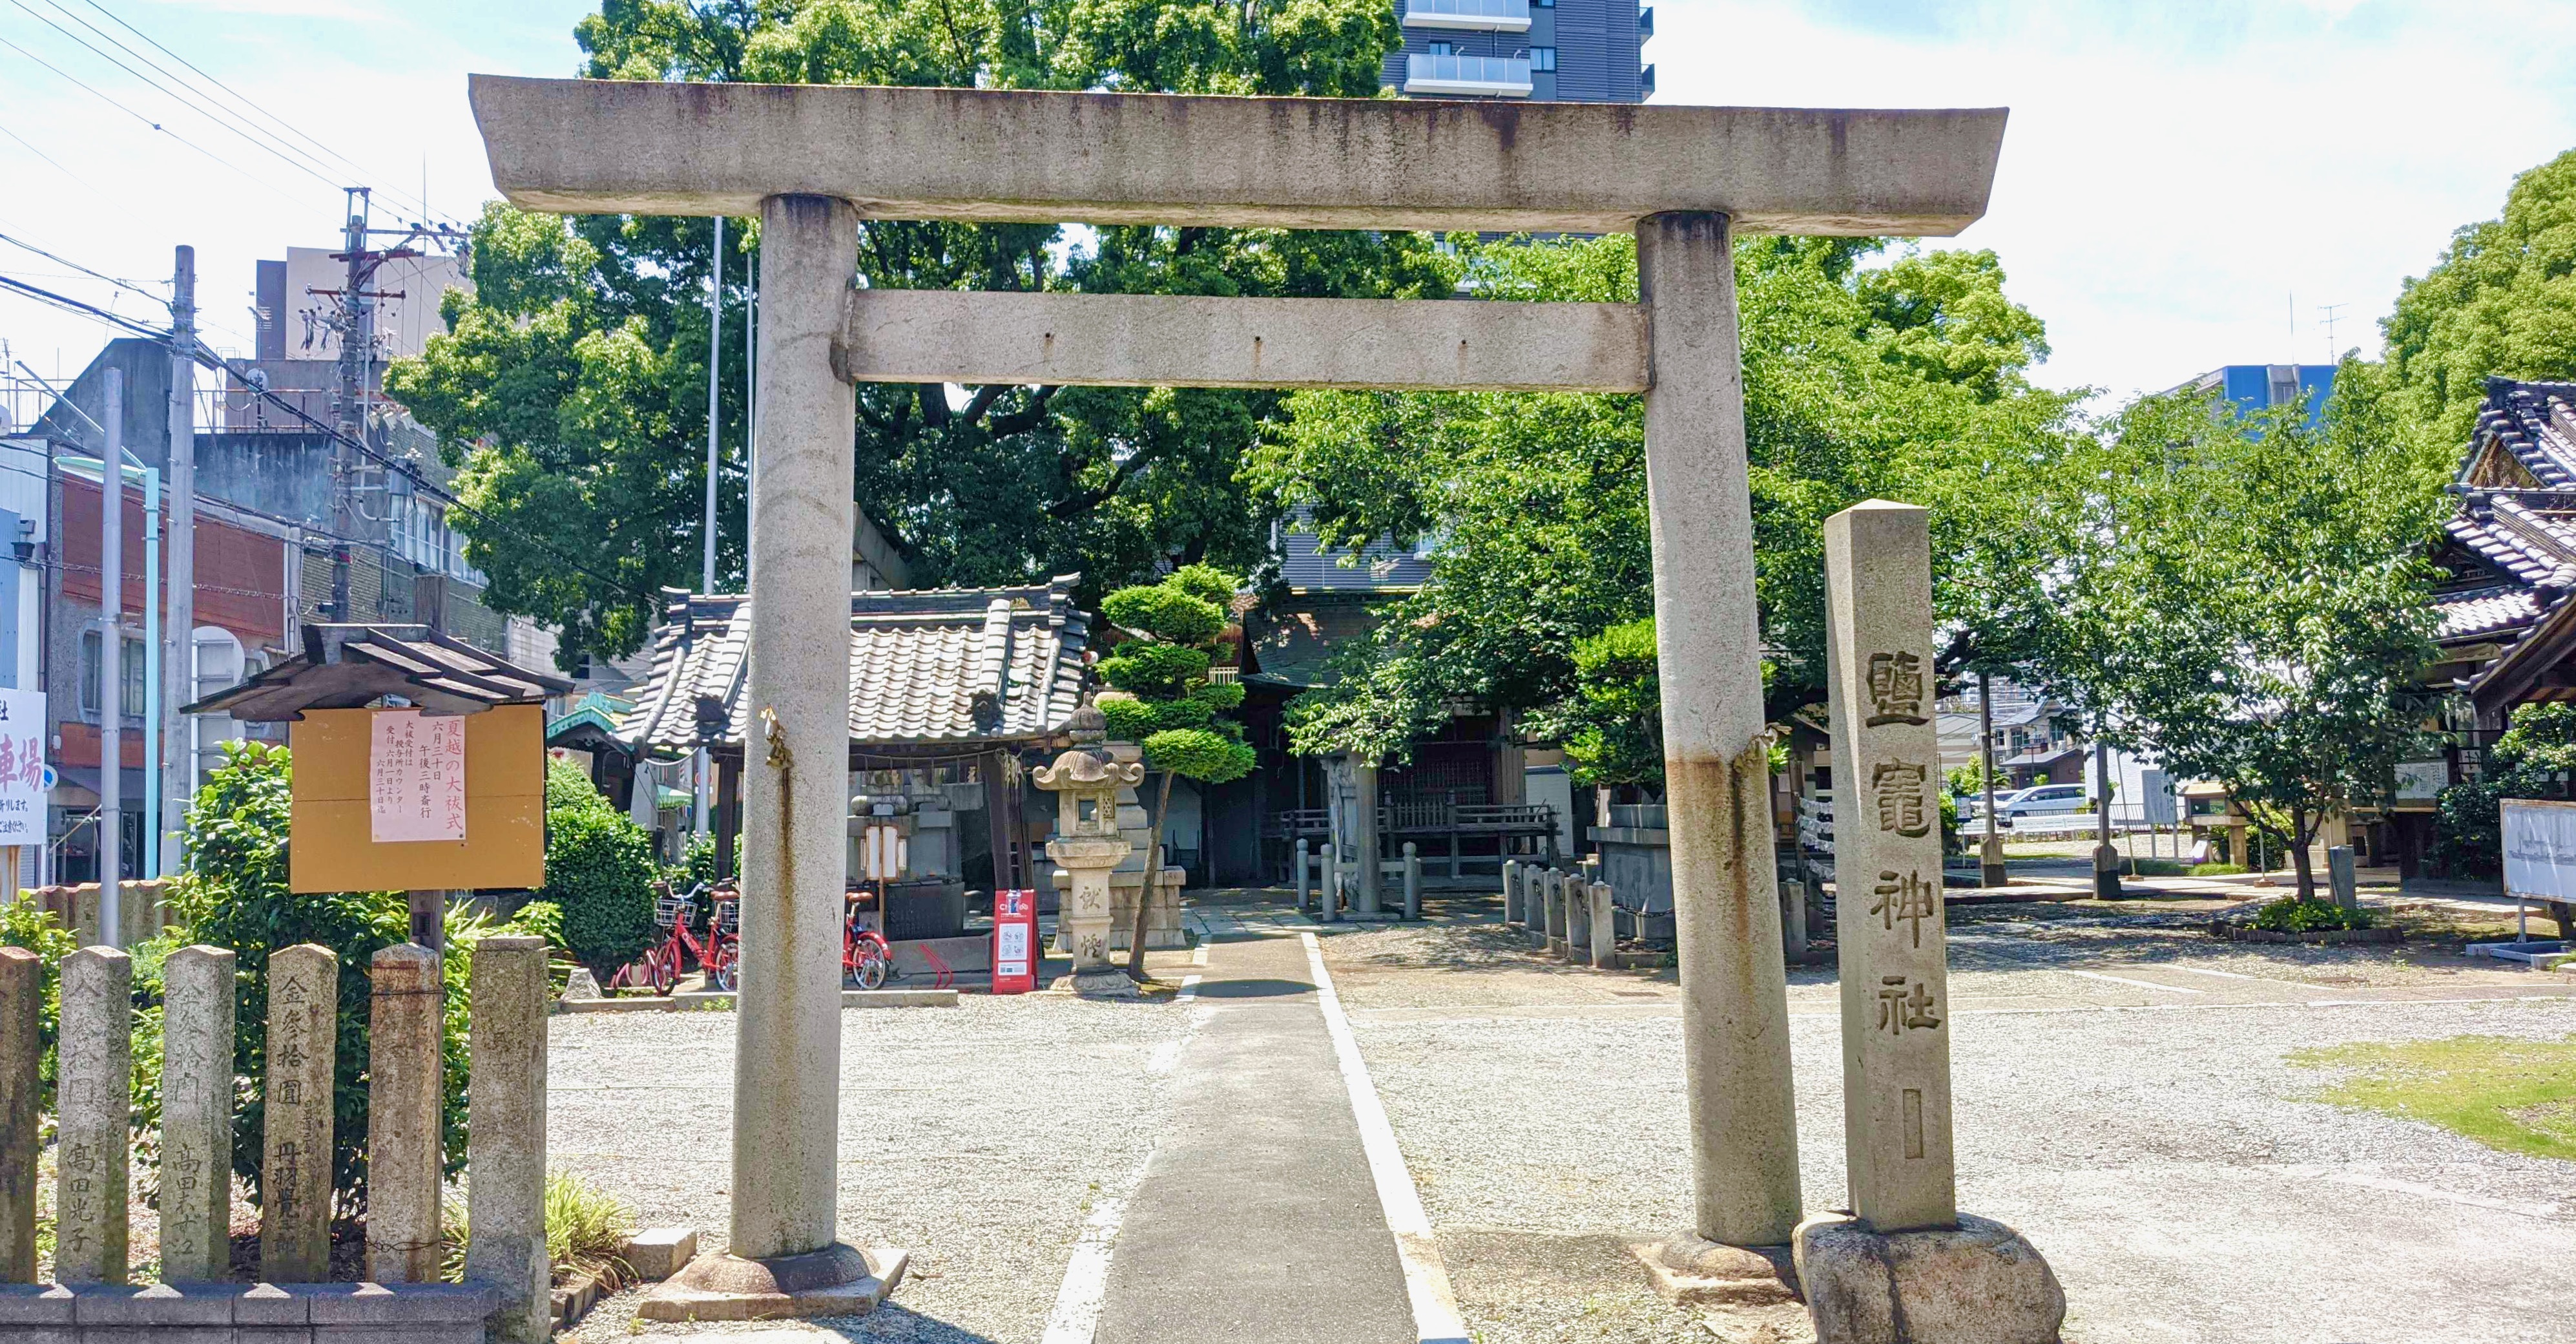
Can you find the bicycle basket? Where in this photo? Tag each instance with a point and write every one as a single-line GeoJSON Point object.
{"type": "Point", "coordinates": [667, 910]}
{"type": "Point", "coordinates": [728, 915]}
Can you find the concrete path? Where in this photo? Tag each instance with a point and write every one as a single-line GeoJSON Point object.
{"type": "Point", "coordinates": [1257, 1219]}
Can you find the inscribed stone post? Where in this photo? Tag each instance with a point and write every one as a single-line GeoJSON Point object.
{"type": "Point", "coordinates": [403, 1095]}
{"type": "Point", "coordinates": [1717, 746]}
{"type": "Point", "coordinates": [1554, 933]}
{"type": "Point", "coordinates": [197, 1115]}
{"type": "Point", "coordinates": [1605, 927]}
{"type": "Point", "coordinates": [1887, 849]}
{"type": "Point", "coordinates": [94, 1097]}
{"type": "Point", "coordinates": [505, 1159]}
{"type": "Point", "coordinates": [22, 1048]}
{"type": "Point", "coordinates": [1511, 892]}
{"type": "Point", "coordinates": [295, 1176]}
{"type": "Point", "coordinates": [1578, 919]}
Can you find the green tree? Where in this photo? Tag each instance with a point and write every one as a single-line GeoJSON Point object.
{"type": "Point", "coordinates": [2534, 758]}
{"type": "Point", "coordinates": [2249, 604]}
{"type": "Point", "coordinates": [1904, 381]}
{"type": "Point", "coordinates": [570, 390]}
{"type": "Point", "coordinates": [1612, 726]}
{"type": "Point", "coordinates": [2500, 302]}
{"type": "Point", "coordinates": [1166, 703]}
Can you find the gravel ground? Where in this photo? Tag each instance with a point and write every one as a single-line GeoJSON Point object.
{"type": "Point", "coordinates": [2167, 1162]}
{"type": "Point", "coordinates": [975, 1137]}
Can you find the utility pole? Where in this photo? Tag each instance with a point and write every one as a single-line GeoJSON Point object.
{"type": "Point", "coordinates": [179, 472]}
{"type": "Point", "coordinates": [707, 581]}
{"type": "Point", "coordinates": [349, 399]}
{"type": "Point", "coordinates": [111, 656]}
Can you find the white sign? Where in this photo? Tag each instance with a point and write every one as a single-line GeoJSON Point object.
{"type": "Point", "coordinates": [416, 777]}
{"type": "Point", "coordinates": [23, 771]}
{"type": "Point", "coordinates": [1011, 948]}
{"type": "Point", "coordinates": [2540, 849]}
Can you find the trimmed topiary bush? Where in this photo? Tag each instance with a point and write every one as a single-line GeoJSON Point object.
{"type": "Point", "coordinates": [599, 873]}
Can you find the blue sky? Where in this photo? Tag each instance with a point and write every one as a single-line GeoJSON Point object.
{"type": "Point", "coordinates": [2183, 184]}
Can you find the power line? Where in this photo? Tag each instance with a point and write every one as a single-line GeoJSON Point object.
{"type": "Point", "coordinates": [95, 275]}
{"type": "Point", "coordinates": [93, 92]}
{"type": "Point", "coordinates": [207, 358]}
{"type": "Point", "coordinates": [238, 97]}
{"type": "Point", "coordinates": [182, 99]}
{"type": "Point", "coordinates": [58, 167]}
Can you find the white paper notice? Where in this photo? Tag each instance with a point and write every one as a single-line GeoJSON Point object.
{"type": "Point", "coordinates": [416, 777]}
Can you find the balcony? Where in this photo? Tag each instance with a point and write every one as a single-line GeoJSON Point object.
{"type": "Point", "coordinates": [1484, 76]}
{"type": "Point", "coordinates": [1481, 16]}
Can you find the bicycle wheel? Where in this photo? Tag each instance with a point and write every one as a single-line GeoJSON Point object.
{"type": "Point", "coordinates": [665, 974]}
{"type": "Point", "coordinates": [723, 962]}
{"type": "Point", "coordinates": [874, 962]}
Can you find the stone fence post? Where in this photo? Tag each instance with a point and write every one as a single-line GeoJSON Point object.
{"type": "Point", "coordinates": [94, 1097]}
{"type": "Point", "coordinates": [197, 1115]}
{"type": "Point", "coordinates": [297, 1143]}
{"type": "Point", "coordinates": [1605, 928]}
{"type": "Point", "coordinates": [505, 1206]}
{"type": "Point", "coordinates": [22, 1049]}
{"type": "Point", "coordinates": [403, 1095]}
{"type": "Point", "coordinates": [1511, 892]}
{"type": "Point", "coordinates": [1578, 920]}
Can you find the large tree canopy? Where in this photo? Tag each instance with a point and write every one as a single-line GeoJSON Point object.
{"type": "Point", "coordinates": [571, 389]}
{"type": "Point", "coordinates": [1903, 381]}
{"type": "Point", "coordinates": [2501, 302]}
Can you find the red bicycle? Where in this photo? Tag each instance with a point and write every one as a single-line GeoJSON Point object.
{"type": "Point", "coordinates": [866, 960]}
{"type": "Point", "coordinates": [665, 962]}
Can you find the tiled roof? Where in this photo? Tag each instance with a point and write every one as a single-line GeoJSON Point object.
{"type": "Point", "coordinates": [346, 666]}
{"type": "Point", "coordinates": [2487, 611]}
{"type": "Point", "coordinates": [2536, 422]}
{"type": "Point", "coordinates": [1380, 567]}
{"type": "Point", "coordinates": [936, 665]}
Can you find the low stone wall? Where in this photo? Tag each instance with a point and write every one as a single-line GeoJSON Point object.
{"type": "Point", "coordinates": [139, 910]}
{"type": "Point", "coordinates": [318, 1313]}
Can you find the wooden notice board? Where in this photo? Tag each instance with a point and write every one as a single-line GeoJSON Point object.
{"type": "Point", "coordinates": [505, 808]}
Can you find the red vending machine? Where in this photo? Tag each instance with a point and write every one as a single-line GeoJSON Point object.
{"type": "Point", "coordinates": [1015, 942]}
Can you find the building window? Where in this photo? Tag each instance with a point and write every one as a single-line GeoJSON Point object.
{"type": "Point", "coordinates": [1444, 49]}
{"type": "Point", "coordinates": [1544, 4]}
{"type": "Point", "coordinates": [129, 676]}
{"type": "Point", "coordinates": [1543, 58]}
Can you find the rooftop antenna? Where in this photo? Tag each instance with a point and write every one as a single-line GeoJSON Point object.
{"type": "Point", "coordinates": [2333, 351]}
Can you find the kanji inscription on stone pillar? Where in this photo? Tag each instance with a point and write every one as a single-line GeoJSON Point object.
{"type": "Point", "coordinates": [295, 1176]}
{"type": "Point", "coordinates": [1895, 979]}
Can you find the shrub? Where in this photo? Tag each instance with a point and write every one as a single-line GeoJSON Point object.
{"type": "Point", "coordinates": [1166, 612]}
{"type": "Point", "coordinates": [1155, 671]}
{"type": "Point", "coordinates": [585, 1227]}
{"type": "Point", "coordinates": [24, 924]}
{"type": "Point", "coordinates": [1207, 583]}
{"type": "Point", "coordinates": [1203, 754]}
{"type": "Point", "coordinates": [2294, 914]}
{"type": "Point", "coordinates": [599, 873]}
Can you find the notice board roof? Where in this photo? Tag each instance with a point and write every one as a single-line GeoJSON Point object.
{"type": "Point", "coordinates": [350, 666]}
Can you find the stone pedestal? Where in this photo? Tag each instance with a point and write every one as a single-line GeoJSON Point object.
{"type": "Point", "coordinates": [1088, 914]}
{"type": "Point", "coordinates": [1163, 930]}
{"type": "Point", "coordinates": [1691, 1269]}
{"type": "Point", "coordinates": [835, 1281]}
{"type": "Point", "coordinates": [403, 1095]}
{"type": "Point", "coordinates": [94, 1093]}
{"type": "Point", "coordinates": [197, 1115]}
{"type": "Point", "coordinates": [22, 1048]}
{"type": "Point", "coordinates": [295, 1174]}
{"type": "Point", "coordinates": [1976, 1283]}
{"type": "Point", "coordinates": [1090, 842]}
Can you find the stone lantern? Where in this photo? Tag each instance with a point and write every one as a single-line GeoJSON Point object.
{"type": "Point", "coordinates": [1088, 844]}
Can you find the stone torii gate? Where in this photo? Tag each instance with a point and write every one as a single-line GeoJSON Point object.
{"type": "Point", "coordinates": [813, 160]}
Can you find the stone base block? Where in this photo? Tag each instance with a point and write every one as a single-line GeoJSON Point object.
{"type": "Point", "coordinates": [1977, 1283]}
{"type": "Point", "coordinates": [1098, 985]}
{"type": "Point", "coordinates": [660, 1252]}
{"type": "Point", "coordinates": [838, 1280]}
{"type": "Point", "coordinates": [1691, 1269]}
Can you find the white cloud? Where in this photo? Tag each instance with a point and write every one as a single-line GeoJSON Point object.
{"type": "Point", "coordinates": [2174, 174]}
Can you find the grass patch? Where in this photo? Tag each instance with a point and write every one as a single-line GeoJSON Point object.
{"type": "Point", "coordinates": [2513, 1096]}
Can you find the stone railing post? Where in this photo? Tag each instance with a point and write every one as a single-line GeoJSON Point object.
{"type": "Point", "coordinates": [505, 1205]}
{"type": "Point", "coordinates": [1717, 766]}
{"type": "Point", "coordinates": [22, 1050]}
{"type": "Point", "coordinates": [1328, 903]}
{"type": "Point", "coordinates": [1605, 928]}
{"type": "Point", "coordinates": [403, 1096]}
{"type": "Point", "coordinates": [197, 1115]}
{"type": "Point", "coordinates": [297, 1145]}
{"type": "Point", "coordinates": [1412, 882]}
{"type": "Point", "coordinates": [1511, 892]}
{"type": "Point", "coordinates": [1302, 876]}
{"type": "Point", "coordinates": [1578, 920]}
{"type": "Point", "coordinates": [1560, 884]}
{"type": "Point", "coordinates": [94, 1100]}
